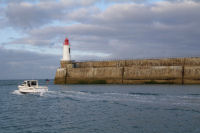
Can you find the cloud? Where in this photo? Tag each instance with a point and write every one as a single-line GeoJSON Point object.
{"type": "Point", "coordinates": [17, 64]}
{"type": "Point", "coordinates": [182, 0]}
{"type": "Point", "coordinates": [128, 29]}
{"type": "Point", "coordinates": [29, 15]}
{"type": "Point", "coordinates": [20, 65]}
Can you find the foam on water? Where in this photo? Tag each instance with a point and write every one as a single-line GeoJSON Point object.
{"type": "Point", "coordinates": [128, 97]}
{"type": "Point", "coordinates": [17, 92]}
{"type": "Point", "coordinates": [146, 98]}
{"type": "Point", "coordinates": [40, 92]}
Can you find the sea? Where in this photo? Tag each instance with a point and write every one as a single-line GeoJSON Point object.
{"type": "Point", "coordinates": [100, 109]}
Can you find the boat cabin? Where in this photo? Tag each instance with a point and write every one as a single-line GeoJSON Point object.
{"type": "Point", "coordinates": [30, 83]}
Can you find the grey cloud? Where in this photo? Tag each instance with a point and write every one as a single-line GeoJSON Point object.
{"type": "Point", "coordinates": [29, 15]}
{"type": "Point", "coordinates": [182, 0]}
{"type": "Point", "coordinates": [125, 1]}
{"type": "Point", "coordinates": [129, 30]}
{"type": "Point", "coordinates": [134, 30]}
{"type": "Point", "coordinates": [13, 1]}
{"type": "Point", "coordinates": [26, 15]}
{"type": "Point", "coordinates": [164, 29]}
{"type": "Point", "coordinates": [142, 1]}
{"type": "Point", "coordinates": [19, 65]}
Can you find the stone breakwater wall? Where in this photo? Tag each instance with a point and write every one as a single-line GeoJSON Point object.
{"type": "Point", "coordinates": [144, 71]}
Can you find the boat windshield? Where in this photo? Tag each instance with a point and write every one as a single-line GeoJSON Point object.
{"type": "Point", "coordinates": [34, 83]}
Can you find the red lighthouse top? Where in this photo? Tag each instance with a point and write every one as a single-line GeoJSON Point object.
{"type": "Point", "coordinates": [66, 41]}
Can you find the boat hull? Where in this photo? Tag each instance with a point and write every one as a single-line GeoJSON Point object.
{"type": "Point", "coordinates": [25, 90]}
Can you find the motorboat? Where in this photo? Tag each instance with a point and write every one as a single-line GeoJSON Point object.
{"type": "Point", "coordinates": [31, 86]}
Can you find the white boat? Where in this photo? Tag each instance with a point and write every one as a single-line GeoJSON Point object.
{"type": "Point", "coordinates": [31, 86]}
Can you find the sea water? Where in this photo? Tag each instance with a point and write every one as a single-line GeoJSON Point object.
{"type": "Point", "coordinates": [100, 109]}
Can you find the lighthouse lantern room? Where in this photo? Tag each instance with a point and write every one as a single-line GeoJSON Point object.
{"type": "Point", "coordinates": [66, 50]}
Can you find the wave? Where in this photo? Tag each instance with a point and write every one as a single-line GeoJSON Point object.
{"type": "Point", "coordinates": [194, 94]}
{"type": "Point", "coordinates": [120, 98]}
{"type": "Point", "coordinates": [16, 92]}
{"type": "Point", "coordinates": [144, 94]}
{"type": "Point", "coordinates": [41, 93]}
{"type": "Point", "coordinates": [184, 110]}
{"type": "Point", "coordinates": [103, 97]}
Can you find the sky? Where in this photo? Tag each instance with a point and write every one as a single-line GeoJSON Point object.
{"type": "Point", "coordinates": [32, 32]}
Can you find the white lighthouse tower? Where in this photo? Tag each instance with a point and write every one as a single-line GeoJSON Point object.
{"type": "Point", "coordinates": [66, 50]}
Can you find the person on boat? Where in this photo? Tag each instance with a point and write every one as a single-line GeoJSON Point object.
{"type": "Point", "coordinates": [47, 81]}
{"type": "Point", "coordinates": [29, 85]}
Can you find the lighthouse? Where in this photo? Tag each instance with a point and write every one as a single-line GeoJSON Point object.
{"type": "Point", "coordinates": [66, 50]}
